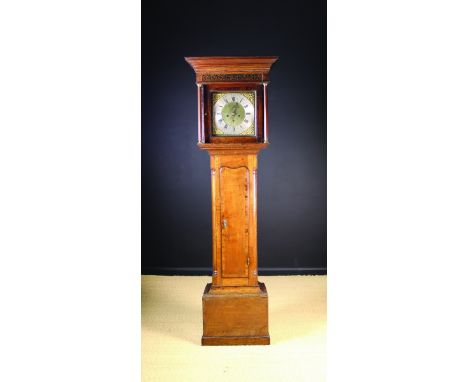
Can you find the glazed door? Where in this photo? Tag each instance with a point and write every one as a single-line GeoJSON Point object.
{"type": "Point", "coordinates": [234, 195]}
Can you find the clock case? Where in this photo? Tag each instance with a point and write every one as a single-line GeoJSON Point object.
{"type": "Point", "coordinates": [237, 74]}
{"type": "Point", "coordinates": [235, 304]}
{"type": "Point", "coordinates": [207, 105]}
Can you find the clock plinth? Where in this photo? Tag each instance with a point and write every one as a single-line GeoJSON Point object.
{"type": "Point", "coordinates": [232, 105]}
{"type": "Point", "coordinates": [233, 317]}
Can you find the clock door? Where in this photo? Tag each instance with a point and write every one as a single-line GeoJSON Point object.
{"type": "Point", "coordinates": [234, 195]}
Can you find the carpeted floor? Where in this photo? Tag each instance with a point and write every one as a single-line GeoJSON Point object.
{"type": "Point", "coordinates": [171, 329]}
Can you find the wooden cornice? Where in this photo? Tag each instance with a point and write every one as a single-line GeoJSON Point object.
{"type": "Point", "coordinates": [231, 69]}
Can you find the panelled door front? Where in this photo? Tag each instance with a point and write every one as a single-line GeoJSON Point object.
{"type": "Point", "coordinates": [234, 195]}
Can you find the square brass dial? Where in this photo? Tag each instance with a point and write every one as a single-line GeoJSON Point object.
{"type": "Point", "coordinates": [234, 113]}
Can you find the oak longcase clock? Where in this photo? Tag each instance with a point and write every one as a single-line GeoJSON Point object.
{"type": "Point", "coordinates": [233, 128]}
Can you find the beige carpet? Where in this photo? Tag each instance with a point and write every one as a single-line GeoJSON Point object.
{"type": "Point", "coordinates": [171, 329]}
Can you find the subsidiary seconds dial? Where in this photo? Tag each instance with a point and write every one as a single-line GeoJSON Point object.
{"type": "Point", "coordinates": [233, 114]}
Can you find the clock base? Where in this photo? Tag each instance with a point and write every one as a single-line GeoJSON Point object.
{"type": "Point", "coordinates": [216, 341]}
{"type": "Point", "coordinates": [235, 318]}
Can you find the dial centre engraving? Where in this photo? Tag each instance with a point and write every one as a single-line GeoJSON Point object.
{"type": "Point", "coordinates": [233, 114]}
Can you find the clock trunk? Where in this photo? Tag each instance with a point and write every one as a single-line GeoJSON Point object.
{"type": "Point", "coordinates": [234, 219]}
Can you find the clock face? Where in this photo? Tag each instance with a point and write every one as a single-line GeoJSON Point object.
{"type": "Point", "coordinates": [234, 114]}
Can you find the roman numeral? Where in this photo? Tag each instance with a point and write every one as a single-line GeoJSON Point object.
{"type": "Point", "coordinates": [233, 99]}
{"type": "Point", "coordinates": [220, 121]}
{"type": "Point", "coordinates": [245, 120]}
{"type": "Point", "coordinates": [246, 106]}
{"type": "Point", "coordinates": [247, 113]}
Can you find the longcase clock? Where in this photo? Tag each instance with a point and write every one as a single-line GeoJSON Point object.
{"type": "Point", "coordinates": [233, 128]}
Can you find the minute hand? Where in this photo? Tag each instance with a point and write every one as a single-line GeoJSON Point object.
{"type": "Point", "coordinates": [234, 110]}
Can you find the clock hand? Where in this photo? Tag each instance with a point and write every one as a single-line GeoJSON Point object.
{"type": "Point", "coordinates": [235, 109]}
{"type": "Point", "coordinates": [232, 112]}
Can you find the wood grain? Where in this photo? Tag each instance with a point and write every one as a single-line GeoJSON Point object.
{"type": "Point", "coordinates": [232, 148]}
{"type": "Point", "coordinates": [210, 89]}
{"type": "Point", "coordinates": [231, 65]}
{"type": "Point", "coordinates": [235, 304]}
{"type": "Point", "coordinates": [235, 318]}
{"type": "Point", "coordinates": [218, 341]}
{"type": "Point", "coordinates": [234, 200]}
{"type": "Point", "coordinates": [234, 183]}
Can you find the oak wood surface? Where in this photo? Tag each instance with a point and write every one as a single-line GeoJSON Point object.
{"type": "Point", "coordinates": [234, 218]}
{"type": "Point", "coordinates": [234, 183]}
{"type": "Point", "coordinates": [207, 107]}
{"type": "Point", "coordinates": [250, 66]}
{"type": "Point", "coordinates": [235, 304]}
{"type": "Point", "coordinates": [232, 148]}
{"type": "Point", "coordinates": [251, 340]}
{"type": "Point", "coordinates": [235, 318]}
